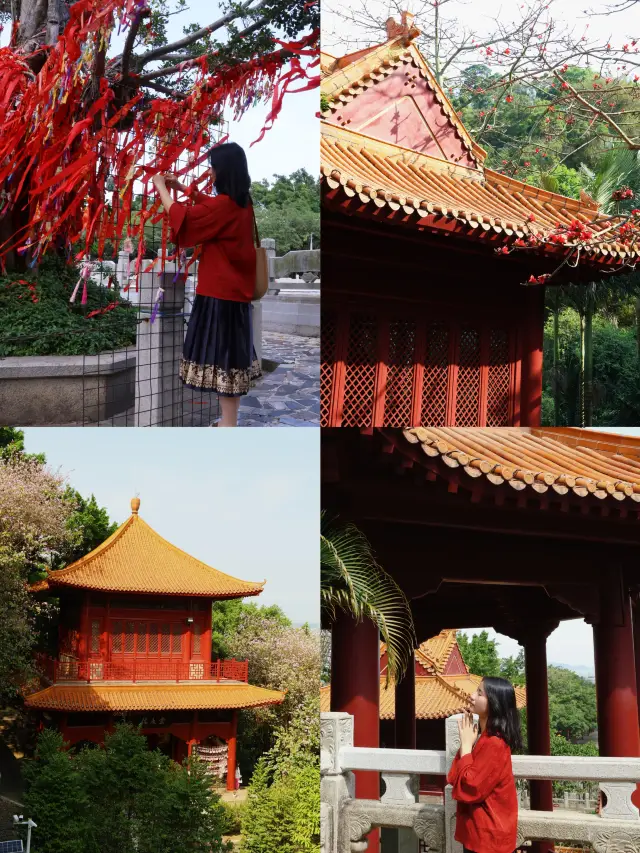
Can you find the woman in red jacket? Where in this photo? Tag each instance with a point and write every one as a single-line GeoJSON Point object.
{"type": "Point", "coordinates": [218, 350]}
{"type": "Point", "coordinates": [481, 773]}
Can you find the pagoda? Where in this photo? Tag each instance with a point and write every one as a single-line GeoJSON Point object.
{"type": "Point", "coordinates": [443, 686]}
{"type": "Point", "coordinates": [424, 323]}
{"type": "Point", "coordinates": [134, 642]}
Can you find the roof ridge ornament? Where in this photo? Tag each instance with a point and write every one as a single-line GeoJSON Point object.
{"type": "Point", "coordinates": [135, 505]}
{"type": "Point", "coordinates": [405, 29]}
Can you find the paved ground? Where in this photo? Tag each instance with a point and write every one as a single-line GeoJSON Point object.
{"type": "Point", "coordinates": [288, 396]}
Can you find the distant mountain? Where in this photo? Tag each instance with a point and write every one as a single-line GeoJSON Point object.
{"type": "Point", "coordinates": [580, 669]}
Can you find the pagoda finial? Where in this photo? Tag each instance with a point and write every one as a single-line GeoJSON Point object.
{"type": "Point", "coordinates": [135, 505]}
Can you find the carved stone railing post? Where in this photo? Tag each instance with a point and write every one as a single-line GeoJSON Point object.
{"type": "Point", "coordinates": [336, 786]}
{"type": "Point", "coordinates": [619, 803]}
{"type": "Point", "coordinates": [400, 789]}
{"type": "Point", "coordinates": [452, 745]}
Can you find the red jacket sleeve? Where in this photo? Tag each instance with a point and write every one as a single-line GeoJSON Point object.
{"type": "Point", "coordinates": [474, 777]}
{"type": "Point", "coordinates": [197, 223]}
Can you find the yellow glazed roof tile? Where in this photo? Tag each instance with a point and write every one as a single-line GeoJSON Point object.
{"type": "Point", "coordinates": [539, 459]}
{"type": "Point", "coordinates": [138, 560]}
{"type": "Point", "coordinates": [152, 697]}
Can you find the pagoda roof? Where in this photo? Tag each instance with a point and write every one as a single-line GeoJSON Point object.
{"type": "Point", "coordinates": [152, 697]}
{"type": "Point", "coordinates": [370, 177]}
{"type": "Point", "coordinates": [582, 462]}
{"type": "Point", "coordinates": [434, 653]}
{"type": "Point", "coordinates": [437, 696]}
{"type": "Point", "coordinates": [136, 559]}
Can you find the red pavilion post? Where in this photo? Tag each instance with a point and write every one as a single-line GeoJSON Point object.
{"type": "Point", "coordinates": [534, 641]}
{"type": "Point", "coordinates": [533, 339]}
{"type": "Point", "coordinates": [355, 689]}
{"type": "Point", "coordinates": [231, 753]}
{"type": "Point", "coordinates": [616, 687]}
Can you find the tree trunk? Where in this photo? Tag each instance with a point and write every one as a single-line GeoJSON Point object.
{"type": "Point", "coordinates": [556, 358]}
{"type": "Point", "coordinates": [588, 362]}
{"type": "Point", "coordinates": [638, 324]}
{"type": "Point", "coordinates": [582, 364]}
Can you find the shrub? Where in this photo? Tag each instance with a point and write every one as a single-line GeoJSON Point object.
{"type": "Point", "coordinates": [38, 319]}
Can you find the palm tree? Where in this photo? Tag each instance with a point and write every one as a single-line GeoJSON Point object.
{"type": "Point", "coordinates": [351, 580]}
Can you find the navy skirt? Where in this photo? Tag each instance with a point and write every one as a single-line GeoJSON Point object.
{"type": "Point", "coordinates": [218, 352]}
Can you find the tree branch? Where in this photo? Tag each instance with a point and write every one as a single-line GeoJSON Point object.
{"type": "Point", "coordinates": [172, 93]}
{"type": "Point", "coordinates": [634, 146]}
{"type": "Point", "coordinates": [157, 52]}
{"type": "Point", "coordinates": [131, 37]}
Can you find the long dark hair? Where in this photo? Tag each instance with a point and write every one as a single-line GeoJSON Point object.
{"type": "Point", "coordinates": [503, 719]}
{"type": "Point", "coordinates": [229, 162]}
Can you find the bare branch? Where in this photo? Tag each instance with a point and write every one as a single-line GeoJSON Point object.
{"type": "Point", "coordinates": [172, 93]}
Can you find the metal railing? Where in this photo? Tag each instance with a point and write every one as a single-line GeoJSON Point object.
{"type": "Point", "coordinates": [144, 670]}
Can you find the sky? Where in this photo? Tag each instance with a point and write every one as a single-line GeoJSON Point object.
{"type": "Point", "coordinates": [245, 502]}
{"type": "Point", "coordinates": [479, 17]}
{"type": "Point", "coordinates": [294, 141]}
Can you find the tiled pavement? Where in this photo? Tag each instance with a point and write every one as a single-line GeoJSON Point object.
{"type": "Point", "coordinates": [288, 396]}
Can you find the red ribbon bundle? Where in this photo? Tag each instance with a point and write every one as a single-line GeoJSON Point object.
{"type": "Point", "coordinates": [58, 146]}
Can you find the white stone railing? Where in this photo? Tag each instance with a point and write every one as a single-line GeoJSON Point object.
{"type": "Point", "coordinates": [347, 821]}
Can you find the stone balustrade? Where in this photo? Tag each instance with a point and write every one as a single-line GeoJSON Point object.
{"type": "Point", "coordinates": [347, 821]}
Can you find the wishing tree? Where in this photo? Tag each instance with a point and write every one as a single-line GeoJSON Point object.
{"type": "Point", "coordinates": [75, 124]}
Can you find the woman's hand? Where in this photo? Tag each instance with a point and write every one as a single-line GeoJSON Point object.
{"type": "Point", "coordinates": [468, 733]}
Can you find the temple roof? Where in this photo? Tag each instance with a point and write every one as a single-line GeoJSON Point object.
{"type": "Point", "coordinates": [136, 559]}
{"type": "Point", "coordinates": [568, 460]}
{"type": "Point", "coordinates": [434, 653]}
{"type": "Point", "coordinates": [152, 697]}
{"type": "Point", "coordinates": [370, 176]}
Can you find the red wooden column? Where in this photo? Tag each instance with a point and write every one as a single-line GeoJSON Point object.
{"type": "Point", "coordinates": [534, 640]}
{"type": "Point", "coordinates": [406, 710]}
{"type": "Point", "coordinates": [615, 670]}
{"type": "Point", "coordinates": [532, 335]}
{"type": "Point", "coordinates": [635, 618]}
{"type": "Point", "coordinates": [355, 689]}
{"type": "Point", "coordinates": [231, 753]}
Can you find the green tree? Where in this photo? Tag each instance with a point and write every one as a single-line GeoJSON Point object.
{"type": "Point", "coordinates": [122, 797]}
{"type": "Point", "coordinates": [89, 525]}
{"type": "Point", "coordinates": [351, 580]}
{"type": "Point", "coordinates": [480, 653]}
{"type": "Point", "coordinates": [288, 210]}
{"type": "Point", "coordinates": [283, 805]}
{"type": "Point", "coordinates": [17, 625]}
{"type": "Point", "coordinates": [572, 704]}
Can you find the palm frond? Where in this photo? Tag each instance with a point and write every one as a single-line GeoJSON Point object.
{"type": "Point", "coordinates": [353, 581]}
{"type": "Point", "coordinates": [616, 168]}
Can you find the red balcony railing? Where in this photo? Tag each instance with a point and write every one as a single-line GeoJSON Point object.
{"type": "Point", "coordinates": [145, 670]}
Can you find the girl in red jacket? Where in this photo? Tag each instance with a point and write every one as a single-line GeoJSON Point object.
{"type": "Point", "coordinates": [481, 774]}
{"type": "Point", "coordinates": [219, 354]}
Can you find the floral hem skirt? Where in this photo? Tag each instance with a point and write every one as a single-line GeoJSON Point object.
{"type": "Point", "coordinates": [227, 383]}
{"type": "Point", "coordinates": [219, 354]}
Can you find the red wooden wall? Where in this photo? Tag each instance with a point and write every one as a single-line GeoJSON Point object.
{"type": "Point", "coordinates": [398, 371]}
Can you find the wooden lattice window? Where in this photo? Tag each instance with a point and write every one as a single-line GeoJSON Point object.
{"type": "Point", "coordinates": [95, 636]}
{"type": "Point", "coordinates": [468, 390]}
{"type": "Point", "coordinates": [499, 379]}
{"type": "Point", "coordinates": [433, 411]}
{"type": "Point", "coordinates": [129, 634]}
{"type": "Point", "coordinates": [176, 638]}
{"type": "Point", "coordinates": [197, 638]}
{"type": "Point", "coordinates": [327, 369]}
{"type": "Point", "coordinates": [399, 391]}
{"type": "Point", "coordinates": [141, 639]}
{"type": "Point", "coordinates": [165, 639]}
{"type": "Point", "coordinates": [360, 375]}
{"type": "Point", "coordinates": [116, 637]}
{"type": "Point", "coordinates": [153, 638]}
